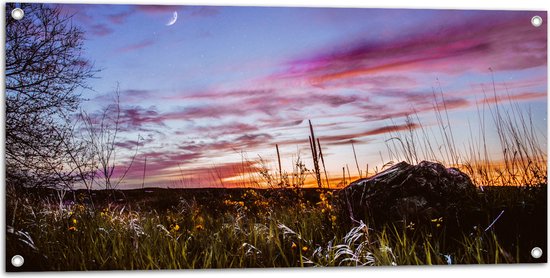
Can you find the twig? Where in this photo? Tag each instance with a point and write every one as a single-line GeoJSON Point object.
{"type": "Point", "coordinates": [494, 221]}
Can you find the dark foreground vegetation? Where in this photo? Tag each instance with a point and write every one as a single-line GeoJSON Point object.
{"type": "Point", "coordinates": [232, 228]}
{"type": "Point", "coordinates": [67, 229]}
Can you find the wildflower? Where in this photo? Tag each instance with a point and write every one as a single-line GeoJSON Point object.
{"type": "Point", "coordinates": [72, 228]}
{"type": "Point", "coordinates": [199, 219]}
{"type": "Point", "coordinates": [304, 249]}
{"type": "Point", "coordinates": [293, 245]}
{"type": "Point", "coordinates": [80, 208]}
{"type": "Point", "coordinates": [437, 220]}
{"type": "Point", "coordinates": [74, 221]}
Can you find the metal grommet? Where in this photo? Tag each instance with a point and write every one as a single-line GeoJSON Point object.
{"type": "Point", "coordinates": [17, 13]}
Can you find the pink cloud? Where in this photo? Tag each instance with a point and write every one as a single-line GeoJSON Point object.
{"type": "Point", "coordinates": [133, 144]}
{"type": "Point", "coordinates": [515, 97]}
{"type": "Point", "coordinates": [131, 96]}
{"type": "Point", "coordinates": [209, 95]}
{"type": "Point", "coordinates": [119, 18]}
{"type": "Point", "coordinates": [346, 142]}
{"type": "Point", "coordinates": [502, 42]}
{"type": "Point", "coordinates": [371, 132]}
{"type": "Point", "coordinates": [135, 117]}
{"type": "Point", "coordinates": [157, 9]}
{"type": "Point", "coordinates": [216, 131]}
{"type": "Point", "coordinates": [348, 137]}
{"type": "Point", "coordinates": [250, 103]}
{"type": "Point", "coordinates": [245, 141]}
{"type": "Point", "coordinates": [159, 165]}
{"type": "Point", "coordinates": [136, 46]}
{"type": "Point", "coordinates": [372, 82]}
{"type": "Point", "coordinates": [100, 30]}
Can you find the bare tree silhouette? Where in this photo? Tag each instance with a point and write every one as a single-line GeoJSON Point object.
{"type": "Point", "coordinates": [45, 70]}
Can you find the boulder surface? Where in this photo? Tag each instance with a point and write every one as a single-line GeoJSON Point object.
{"type": "Point", "coordinates": [406, 193]}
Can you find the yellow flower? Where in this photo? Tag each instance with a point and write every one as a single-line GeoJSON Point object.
{"type": "Point", "coordinates": [74, 221]}
{"type": "Point", "coordinates": [293, 245]}
{"type": "Point", "coordinates": [304, 249]}
{"type": "Point", "coordinates": [177, 227]}
{"type": "Point", "coordinates": [438, 220]}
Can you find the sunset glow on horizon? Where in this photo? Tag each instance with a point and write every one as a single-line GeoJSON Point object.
{"type": "Point", "coordinates": [209, 96]}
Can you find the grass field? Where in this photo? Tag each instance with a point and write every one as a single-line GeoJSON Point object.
{"type": "Point", "coordinates": [235, 228]}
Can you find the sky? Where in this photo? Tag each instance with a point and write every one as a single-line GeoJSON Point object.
{"type": "Point", "coordinates": [206, 98]}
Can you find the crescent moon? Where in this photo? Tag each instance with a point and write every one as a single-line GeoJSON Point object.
{"type": "Point", "coordinates": [173, 20]}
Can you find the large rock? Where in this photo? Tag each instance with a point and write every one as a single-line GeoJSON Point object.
{"type": "Point", "coordinates": [411, 193]}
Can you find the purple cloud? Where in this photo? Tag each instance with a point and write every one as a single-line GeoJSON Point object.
{"type": "Point", "coordinates": [100, 30]}
{"type": "Point", "coordinates": [119, 18]}
{"type": "Point", "coordinates": [136, 46]}
{"type": "Point", "coordinates": [502, 42]}
{"type": "Point", "coordinates": [205, 11]}
{"type": "Point", "coordinates": [157, 9]}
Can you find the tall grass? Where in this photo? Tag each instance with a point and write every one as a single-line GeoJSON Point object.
{"type": "Point", "coordinates": [521, 159]}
